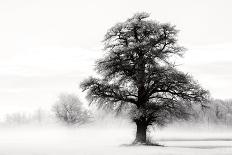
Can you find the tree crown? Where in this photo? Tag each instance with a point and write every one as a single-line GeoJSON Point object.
{"type": "Point", "coordinates": [136, 70]}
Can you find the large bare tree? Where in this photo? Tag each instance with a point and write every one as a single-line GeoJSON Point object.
{"type": "Point", "coordinates": [136, 74]}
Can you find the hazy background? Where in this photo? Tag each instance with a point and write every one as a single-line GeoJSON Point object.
{"type": "Point", "coordinates": [49, 46]}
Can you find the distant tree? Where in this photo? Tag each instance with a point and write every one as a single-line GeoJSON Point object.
{"type": "Point", "coordinates": [137, 74]}
{"type": "Point", "coordinates": [17, 118]}
{"type": "Point", "coordinates": [69, 109]}
{"type": "Point", "coordinates": [40, 116]}
{"type": "Point", "coordinates": [23, 118]}
{"type": "Point", "coordinates": [219, 111]}
{"type": "Point", "coordinates": [213, 112]}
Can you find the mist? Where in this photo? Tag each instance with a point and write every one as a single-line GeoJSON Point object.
{"type": "Point", "coordinates": [112, 136]}
{"type": "Point", "coordinates": [52, 46]}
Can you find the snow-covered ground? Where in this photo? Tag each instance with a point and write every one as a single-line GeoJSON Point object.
{"type": "Point", "coordinates": [110, 141]}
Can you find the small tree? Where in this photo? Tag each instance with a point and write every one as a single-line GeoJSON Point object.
{"type": "Point", "coordinates": [69, 109]}
{"type": "Point", "coordinates": [137, 74]}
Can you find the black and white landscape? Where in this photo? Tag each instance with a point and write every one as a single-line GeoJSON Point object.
{"type": "Point", "coordinates": [115, 77]}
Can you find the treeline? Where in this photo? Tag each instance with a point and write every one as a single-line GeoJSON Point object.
{"type": "Point", "coordinates": [69, 110]}
{"type": "Point", "coordinates": [39, 116]}
{"type": "Point", "coordinates": [216, 112]}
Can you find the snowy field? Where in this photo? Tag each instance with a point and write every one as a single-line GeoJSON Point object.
{"type": "Point", "coordinates": [110, 141]}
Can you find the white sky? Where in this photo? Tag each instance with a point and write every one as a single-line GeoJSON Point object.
{"type": "Point", "coordinates": [49, 46]}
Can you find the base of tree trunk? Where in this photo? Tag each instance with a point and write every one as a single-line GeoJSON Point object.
{"type": "Point", "coordinates": [146, 143]}
{"type": "Point", "coordinates": [141, 132]}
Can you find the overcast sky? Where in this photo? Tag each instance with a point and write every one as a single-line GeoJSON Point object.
{"type": "Point", "coordinates": [49, 46]}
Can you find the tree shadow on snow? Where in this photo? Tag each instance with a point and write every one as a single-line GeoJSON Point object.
{"type": "Point", "coordinates": [199, 146]}
{"type": "Point", "coordinates": [199, 139]}
{"type": "Point", "coordinates": [202, 147]}
{"type": "Point", "coordinates": [194, 146]}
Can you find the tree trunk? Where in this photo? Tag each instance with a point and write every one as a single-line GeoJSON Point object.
{"type": "Point", "coordinates": [141, 133]}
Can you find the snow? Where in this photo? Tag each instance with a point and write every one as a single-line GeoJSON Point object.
{"type": "Point", "coordinates": [106, 140]}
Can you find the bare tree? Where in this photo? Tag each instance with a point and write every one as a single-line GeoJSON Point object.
{"type": "Point", "coordinates": [41, 116]}
{"type": "Point", "coordinates": [137, 74]}
{"type": "Point", "coordinates": [17, 118]}
{"type": "Point", "coordinates": [69, 109]}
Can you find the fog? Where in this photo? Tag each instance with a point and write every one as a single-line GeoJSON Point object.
{"type": "Point", "coordinates": [50, 46]}
{"type": "Point", "coordinates": [112, 137]}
